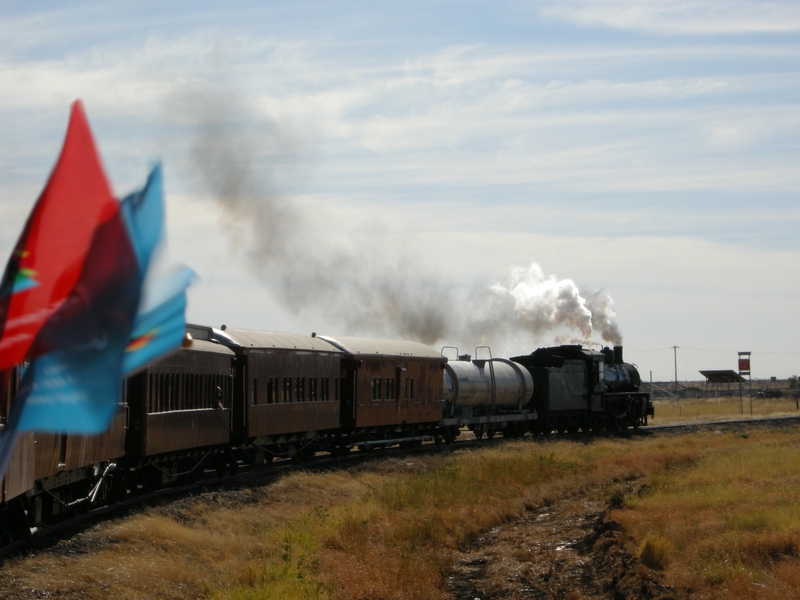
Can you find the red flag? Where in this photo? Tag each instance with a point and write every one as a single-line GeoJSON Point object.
{"type": "Point", "coordinates": [49, 256]}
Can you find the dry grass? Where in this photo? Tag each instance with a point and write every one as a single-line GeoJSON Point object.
{"type": "Point", "coordinates": [412, 524]}
{"type": "Point", "coordinates": [728, 524]}
{"type": "Point", "coordinates": [713, 409]}
{"type": "Point", "coordinates": [655, 552]}
{"type": "Point", "coordinates": [719, 517]}
{"type": "Point", "coordinates": [385, 530]}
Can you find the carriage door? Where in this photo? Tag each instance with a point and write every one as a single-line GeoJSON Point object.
{"type": "Point", "coordinates": [348, 387]}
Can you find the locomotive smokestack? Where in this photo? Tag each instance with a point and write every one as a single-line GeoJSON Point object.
{"type": "Point", "coordinates": [608, 355]}
{"type": "Point", "coordinates": [618, 355]}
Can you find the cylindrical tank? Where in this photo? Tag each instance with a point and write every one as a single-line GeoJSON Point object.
{"type": "Point", "coordinates": [469, 384]}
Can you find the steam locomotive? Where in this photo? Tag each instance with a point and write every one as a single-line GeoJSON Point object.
{"type": "Point", "coordinates": [563, 388]}
{"type": "Point", "coordinates": [238, 397]}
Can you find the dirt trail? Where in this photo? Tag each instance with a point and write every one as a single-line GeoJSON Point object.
{"type": "Point", "coordinates": [567, 549]}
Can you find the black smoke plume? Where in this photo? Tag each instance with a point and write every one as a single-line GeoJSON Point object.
{"type": "Point", "coordinates": [240, 158]}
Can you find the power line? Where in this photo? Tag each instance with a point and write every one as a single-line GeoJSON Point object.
{"type": "Point", "coordinates": [717, 350]}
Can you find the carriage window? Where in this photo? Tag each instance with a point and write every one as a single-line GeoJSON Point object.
{"type": "Point", "coordinates": [254, 391]}
{"type": "Point", "coordinates": [173, 392]}
{"type": "Point", "coordinates": [161, 382]}
{"type": "Point", "coordinates": [324, 391]}
{"type": "Point", "coordinates": [376, 389]}
{"type": "Point", "coordinates": [167, 401]}
{"type": "Point", "coordinates": [389, 395]}
{"type": "Point", "coordinates": [335, 390]}
{"type": "Point", "coordinates": [287, 389]}
{"type": "Point", "coordinates": [312, 389]}
{"type": "Point", "coordinates": [409, 389]}
{"type": "Point", "coordinates": [186, 399]}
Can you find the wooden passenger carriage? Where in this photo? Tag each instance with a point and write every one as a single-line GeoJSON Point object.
{"type": "Point", "coordinates": [389, 389]}
{"type": "Point", "coordinates": [287, 391]}
{"type": "Point", "coordinates": [53, 474]}
{"type": "Point", "coordinates": [182, 401]}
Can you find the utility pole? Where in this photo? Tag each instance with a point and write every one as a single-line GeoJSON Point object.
{"type": "Point", "coordinates": [675, 352]}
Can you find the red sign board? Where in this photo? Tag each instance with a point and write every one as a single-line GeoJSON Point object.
{"type": "Point", "coordinates": [744, 364]}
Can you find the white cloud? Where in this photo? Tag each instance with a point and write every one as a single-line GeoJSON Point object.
{"type": "Point", "coordinates": [616, 163]}
{"type": "Point", "coordinates": [532, 127]}
{"type": "Point", "coordinates": [680, 16]}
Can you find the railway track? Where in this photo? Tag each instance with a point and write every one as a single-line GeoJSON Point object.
{"type": "Point", "coordinates": [44, 536]}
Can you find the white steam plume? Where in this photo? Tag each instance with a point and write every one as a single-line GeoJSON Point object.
{"type": "Point", "coordinates": [542, 307]}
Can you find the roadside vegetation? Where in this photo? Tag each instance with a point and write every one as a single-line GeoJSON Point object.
{"type": "Point", "coordinates": [717, 515]}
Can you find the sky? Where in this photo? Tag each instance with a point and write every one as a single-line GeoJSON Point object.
{"type": "Point", "coordinates": [510, 174]}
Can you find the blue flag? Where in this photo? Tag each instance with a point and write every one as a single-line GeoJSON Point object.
{"type": "Point", "coordinates": [99, 333]}
{"type": "Point", "coordinates": [76, 386]}
{"type": "Point", "coordinates": [160, 325]}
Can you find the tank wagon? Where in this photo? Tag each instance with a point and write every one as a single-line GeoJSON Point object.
{"type": "Point", "coordinates": [487, 395]}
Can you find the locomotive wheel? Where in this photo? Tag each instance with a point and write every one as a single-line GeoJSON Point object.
{"type": "Point", "coordinates": [478, 431]}
{"type": "Point", "coordinates": [619, 421]}
{"type": "Point", "coordinates": [490, 433]}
